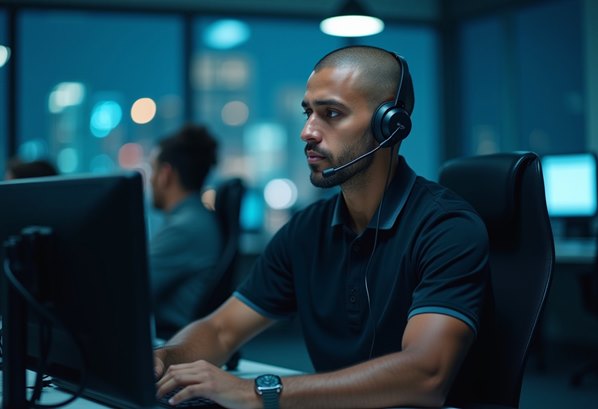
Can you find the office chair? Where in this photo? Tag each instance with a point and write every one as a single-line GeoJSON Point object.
{"type": "Point", "coordinates": [227, 207]}
{"type": "Point", "coordinates": [507, 190]}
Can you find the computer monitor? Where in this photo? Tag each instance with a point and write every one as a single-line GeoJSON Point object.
{"type": "Point", "coordinates": [571, 190]}
{"type": "Point", "coordinates": [90, 275]}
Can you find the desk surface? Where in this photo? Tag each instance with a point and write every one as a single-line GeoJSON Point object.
{"type": "Point", "coordinates": [575, 251]}
{"type": "Point", "coordinates": [247, 369]}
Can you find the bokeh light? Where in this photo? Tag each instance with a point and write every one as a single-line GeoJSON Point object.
{"type": "Point", "coordinates": [4, 55]}
{"type": "Point", "coordinates": [143, 110]}
{"type": "Point", "coordinates": [101, 164]}
{"type": "Point", "coordinates": [65, 94]}
{"type": "Point", "coordinates": [226, 34]}
{"type": "Point", "coordinates": [105, 116]}
{"type": "Point", "coordinates": [33, 149]}
{"type": "Point", "coordinates": [235, 113]}
{"type": "Point", "coordinates": [280, 193]}
{"type": "Point", "coordinates": [67, 160]}
{"type": "Point", "coordinates": [130, 155]}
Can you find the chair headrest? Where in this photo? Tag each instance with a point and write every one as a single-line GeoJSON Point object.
{"type": "Point", "coordinates": [491, 183]}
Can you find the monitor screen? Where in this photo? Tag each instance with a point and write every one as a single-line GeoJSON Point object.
{"type": "Point", "coordinates": [92, 280]}
{"type": "Point", "coordinates": [570, 184]}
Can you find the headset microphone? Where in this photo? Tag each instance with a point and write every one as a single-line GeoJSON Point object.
{"type": "Point", "coordinates": [333, 171]}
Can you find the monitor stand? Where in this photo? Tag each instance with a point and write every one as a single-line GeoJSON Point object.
{"type": "Point", "coordinates": [21, 265]}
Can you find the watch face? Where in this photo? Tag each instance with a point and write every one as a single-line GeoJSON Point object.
{"type": "Point", "coordinates": [267, 382]}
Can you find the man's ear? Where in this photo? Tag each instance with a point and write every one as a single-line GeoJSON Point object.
{"type": "Point", "coordinates": [165, 174]}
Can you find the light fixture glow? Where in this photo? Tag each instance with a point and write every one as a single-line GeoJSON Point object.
{"type": "Point", "coordinates": [4, 55]}
{"type": "Point", "coordinates": [226, 34]}
{"type": "Point", "coordinates": [352, 21]}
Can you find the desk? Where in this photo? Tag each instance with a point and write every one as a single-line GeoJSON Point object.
{"type": "Point", "coordinates": [246, 369]}
{"type": "Point", "coordinates": [575, 251]}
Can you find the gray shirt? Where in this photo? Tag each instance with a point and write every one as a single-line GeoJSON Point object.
{"type": "Point", "coordinates": [182, 256]}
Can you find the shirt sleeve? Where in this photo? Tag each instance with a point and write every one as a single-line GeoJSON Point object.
{"type": "Point", "coordinates": [269, 288]}
{"type": "Point", "coordinates": [453, 265]}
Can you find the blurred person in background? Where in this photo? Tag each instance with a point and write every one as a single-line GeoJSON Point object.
{"type": "Point", "coordinates": [18, 169]}
{"type": "Point", "coordinates": [184, 250]}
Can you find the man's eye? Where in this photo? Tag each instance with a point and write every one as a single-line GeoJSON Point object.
{"type": "Point", "coordinates": [332, 114]}
{"type": "Point", "coordinates": [307, 113]}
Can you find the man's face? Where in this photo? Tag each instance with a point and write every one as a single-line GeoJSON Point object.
{"type": "Point", "coordinates": [337, 128]}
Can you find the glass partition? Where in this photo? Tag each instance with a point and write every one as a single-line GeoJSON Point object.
{"type": "Point", "coordinates": [97, 89]}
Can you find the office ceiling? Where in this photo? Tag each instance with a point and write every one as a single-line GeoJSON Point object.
{"type": "Point", "coordinates": [398, 10]}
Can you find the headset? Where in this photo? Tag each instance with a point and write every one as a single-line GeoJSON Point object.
{"type": "Point", "coordinates": [391, 122]}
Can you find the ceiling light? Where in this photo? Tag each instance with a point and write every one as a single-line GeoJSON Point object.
{"type": "Point", "coordinates": [352, 21]}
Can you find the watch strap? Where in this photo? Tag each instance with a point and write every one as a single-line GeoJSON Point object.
{"type": "Point", "coordinates": [270, 399]}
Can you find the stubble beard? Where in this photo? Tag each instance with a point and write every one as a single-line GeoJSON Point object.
{"type": "Point", "coordinates": [343, 176]}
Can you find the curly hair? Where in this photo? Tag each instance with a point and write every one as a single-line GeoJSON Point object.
{"type": "Point", "coordinates": [191, 151]}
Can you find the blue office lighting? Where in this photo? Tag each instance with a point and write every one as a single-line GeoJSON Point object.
{"type": "Point", "coordinates": [105, 116]}
{"type": "Point", "coordinates": [4, 55]}
{"type": "Point", "coordinates": [252, 211]}
{"type": "Point", "coordinates": [226, 34]}
{"type": "Point", "coordinates": [33, 149]}
{"type": "Point", "coordinates": [571, 185]}
{"type": "Point", "coordinates": [67, 160]}
{"type": "Point", "coordinates": [101, 164]}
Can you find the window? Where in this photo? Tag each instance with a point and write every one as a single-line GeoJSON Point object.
{"type": "Point", "coordinates": [550, 77]}
{"type": "Point", "coordinates": [522, 80]}
{"type": "Point", "coordinates": [249, 90]}
{"type": "Point", "coordinates": [97, 88]}
{"type": "Point", "coordinates": [419, 46]}
{"type": "Point", "coordinates": [483, 81]}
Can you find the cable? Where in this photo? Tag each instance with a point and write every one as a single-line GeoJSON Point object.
{"type": "Point", "coordinates": [1, 350]}
{"type": "Point", "coordinates": [43, 313]}
{"type": "Point", "coordinates": [367, 267]}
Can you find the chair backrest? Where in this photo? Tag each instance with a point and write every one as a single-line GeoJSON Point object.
{"type": "Point", "coordinates": [227, 207]}
{"type": "Point", "coordinates": [507, 190]}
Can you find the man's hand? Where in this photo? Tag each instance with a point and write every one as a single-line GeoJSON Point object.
{"type": "Point", "coordinates": [158, 367]}
{"type": "Point", "coordinates": [201, 378]}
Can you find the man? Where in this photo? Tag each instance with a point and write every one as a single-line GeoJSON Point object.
{"type": "Point", "coordinates": [184, 251]}
{"type": "Point", "coordinates": [388, 277]}
{"type": "Point", "coordinates": [17, 169]}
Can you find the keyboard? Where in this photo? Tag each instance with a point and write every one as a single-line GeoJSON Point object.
{"type": "Point", "coordinates": [197, 402]}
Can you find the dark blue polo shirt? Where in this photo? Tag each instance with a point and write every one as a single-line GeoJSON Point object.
{"type": "Point", "coordinates": [430, 256]}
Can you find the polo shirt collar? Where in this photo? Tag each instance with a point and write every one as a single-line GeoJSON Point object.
{"type": "Point", "coordinates": [394, 199]}
{"type": "Point", "coordinates": [186, 202]}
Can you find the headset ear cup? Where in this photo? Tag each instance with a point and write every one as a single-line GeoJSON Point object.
{"type": "Point", "coordinates": [388, 119]}
{"type": "Point", "coordinates": [377, 121]}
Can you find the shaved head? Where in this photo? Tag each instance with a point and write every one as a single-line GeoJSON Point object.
{"type": "Point", "coordinates": [378, 70]}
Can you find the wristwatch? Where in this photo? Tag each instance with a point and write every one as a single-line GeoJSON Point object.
{"type": "Point", "coordinates": [269, 387]}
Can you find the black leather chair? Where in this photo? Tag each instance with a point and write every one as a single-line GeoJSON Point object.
{"type": "Point", "coordinates": [507, 190]}
{"type": "Point", "coordinates": [229, 195]}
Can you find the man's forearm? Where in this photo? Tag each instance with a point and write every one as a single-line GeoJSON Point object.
{"type": "Point", "coordinates": [199, 340]}
{"type": "Point", "coordinates": [393, 380]}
